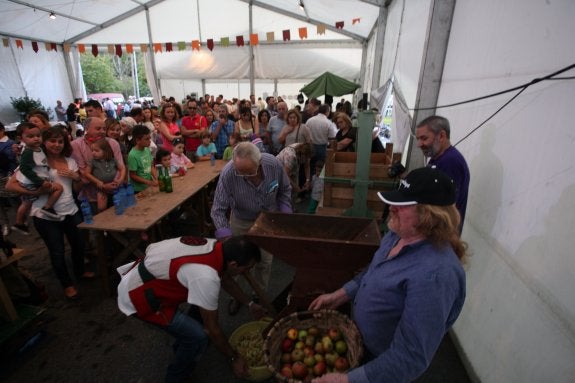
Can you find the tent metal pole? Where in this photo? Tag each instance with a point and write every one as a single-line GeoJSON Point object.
{"type": "Point", "coordinates": [252, 71]}
{"type": "Point", "coordinates": [152, 54]}
{"type": "Point", "coordinates": [70, 72]}
{"type": "Point", "coordinates": [379, 42]}
{"type": "Point", "coordinates": [135, 75]}
{"type": "Point", "coordinates": [433, 60]}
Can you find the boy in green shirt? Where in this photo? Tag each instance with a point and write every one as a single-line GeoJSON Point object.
{"type": "Point", "coordinates": [140, 161]}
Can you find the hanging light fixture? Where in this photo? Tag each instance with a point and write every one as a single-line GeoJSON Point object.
{"type": "Point", "coordinates": [301, 6]}
{"type": "Point", "coordinates": [52, 16]}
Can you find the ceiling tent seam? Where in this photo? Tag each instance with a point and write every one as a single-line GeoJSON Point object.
{"type": "Point", "coordinates": [52, 11]}
{"type": "Point", "coordinates": [304, 19]}
{"type": "Point", "coordinates": [114, 20]}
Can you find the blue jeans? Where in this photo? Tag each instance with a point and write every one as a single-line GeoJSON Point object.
{"type": "Point", "coordinates": [191, 343]}
{"type": "Point", "coordinates": [53, 232]}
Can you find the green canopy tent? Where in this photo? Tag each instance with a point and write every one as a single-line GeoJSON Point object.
{"type": "Point", "coordinates": [329, 84]}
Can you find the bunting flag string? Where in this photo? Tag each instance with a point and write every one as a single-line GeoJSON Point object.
{"type": "Point", "coordinates": [118, 49]}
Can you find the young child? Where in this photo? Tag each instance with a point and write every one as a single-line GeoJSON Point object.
{"type": "Point", "coordinates": [179, 159]}
{"type": "Point", "coordinates": [233, 140]}
{"type": "Point", "coordinates": [140, 164]}
{"type": "Point", "coordinates": [164, 158]}
{"type": "Point", "coordinates": [102, 170]}
{"type": "Point", "coordinates": [32, 174]}
{"type": "Point", "coordinates": [316, 188]}
{"type": "Point", "coordinates": [205, 150]}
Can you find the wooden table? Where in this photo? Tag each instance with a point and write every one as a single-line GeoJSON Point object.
{"type": "Point", "coordinates": [150, 208]}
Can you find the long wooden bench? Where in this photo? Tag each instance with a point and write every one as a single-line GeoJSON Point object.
{"type": "Point", "coordinates": [5, 300]}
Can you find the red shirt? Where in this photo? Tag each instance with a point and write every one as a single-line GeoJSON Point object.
{"type": "Point", "coordinates": [197, 122]}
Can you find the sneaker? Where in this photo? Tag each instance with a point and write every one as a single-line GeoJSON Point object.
{"type": "Point", "coordinates": [50, 213]}
{"type": "Point", "coordinates": [21, 228]}
{"type": "Point", "coordinates": [5, 230]}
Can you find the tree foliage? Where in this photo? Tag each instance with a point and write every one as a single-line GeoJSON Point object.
{"type": "Point", "coordinates": [113, 74]}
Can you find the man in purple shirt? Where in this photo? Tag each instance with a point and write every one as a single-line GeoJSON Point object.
{"type": "Point", "coordinates": [432, 136]}
{"type": "Point", "coordinates": [250, 183]}
{"type": "Point", "coordinates": [414, 288]}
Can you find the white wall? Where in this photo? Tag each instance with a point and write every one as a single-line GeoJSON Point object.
{"type": "Point", "coordinates": [518, 323]}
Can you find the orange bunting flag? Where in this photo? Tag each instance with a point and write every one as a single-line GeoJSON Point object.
{"type": "Point", "coordinates": [81, 48]}
{"type": "Point", "coordinates": [339, 24]}
{"type": "Point", "coordinates": [95, 50]}
{"type": "Point", "coordinates": [48, 47]}
{"type": "Point", "coordinates": [157, 47]}
{"type": "Point", "coordinates": [196, 45]}
{"type": "Point", "coordinates": [270, 36]}
{"type": "Point", "coordinates": [35, 46]}
{"type": "Point", "coordinates": [240, 41]}
{"type": "Point", "coordinates": [19, 44]}
{"type": "Point", "coordinates": [321, 29]}
{"type": "Point", "coordinates": [169, 47]}
{"type": "Point", "coordinates": [143, 48]}
{"type": "Point", "coordinates": [119, 50]}
{"type": "Point", "coordinates": [211, 44]}
{"type": "Point", "coordinates": [355, 21]}
{"type": "Point", "coordinates": [129, 48]}
{"type": "Point", "coordinates": [111, 49]}
{"type": "Point", "coordinates": [303, 33]}
{"type": "Point", "coordinates": [6, 43]}
{"type": "Point", "coordinates": [254, 39]}
{"type": "Point", "coordinates": [66, 47]}
{"type": "Point", "coordinates": [286, 35]}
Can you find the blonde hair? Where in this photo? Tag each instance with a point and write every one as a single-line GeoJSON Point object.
{"type": "Point", "coordinates": [440, 224]}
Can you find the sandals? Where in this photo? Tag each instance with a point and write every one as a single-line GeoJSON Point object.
{"type": "Point", "coordinates": [71, 293]}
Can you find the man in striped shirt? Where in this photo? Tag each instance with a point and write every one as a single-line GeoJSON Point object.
{"type": "Point", "coordinates": [249, 184]}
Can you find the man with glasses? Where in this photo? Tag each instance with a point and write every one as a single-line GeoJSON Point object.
{"type": "Point", "coordinates": [192, 128]}
{"type": "Point", "coordinates": [249, 184]}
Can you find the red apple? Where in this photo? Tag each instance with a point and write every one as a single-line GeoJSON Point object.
{"type": "Point", "coordinates": [319, 369]}
{"type": "Point", "coordinates": [286, 371]}
{"type": "Point", "coordinates": [334, 334]}
{"type": "Point", "coordinates": [286, 357]}
{"type": "Point", "coordinates": [308, 351]}
{"type": "Point", "coordinates": [341, 364]}
{"type": "Point", "coordinates": [292, 333]}
{"type": "Point", "coordinates": [287, 345]}
{"type": "Point", "coordinates": [299, 370]}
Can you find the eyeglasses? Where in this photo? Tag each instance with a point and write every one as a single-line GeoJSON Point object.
{"type": "Point", "coordinates": [238, 174]}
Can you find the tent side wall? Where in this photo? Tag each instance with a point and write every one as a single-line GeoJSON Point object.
{"type": "Point", "coordinates": [518, 323]}
{"type": "Point", "coordinates": [26, 73]}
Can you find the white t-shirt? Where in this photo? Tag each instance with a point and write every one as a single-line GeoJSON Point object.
{"type": "Point", "coordinates": [202, 281]}
{"type": "Point", "coordinates": [65, 205]}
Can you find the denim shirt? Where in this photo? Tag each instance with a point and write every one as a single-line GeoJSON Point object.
{"type": "Point", "coordinates": [403, 307]}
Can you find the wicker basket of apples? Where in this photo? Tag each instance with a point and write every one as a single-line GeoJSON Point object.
{"type": "Point", "coordinates": [308, 344]}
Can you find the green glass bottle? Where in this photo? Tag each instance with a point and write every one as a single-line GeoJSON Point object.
{"type": "Point", "coordinates": [167, 181]}
{"type": "Point", "coordinates": [160, 175]}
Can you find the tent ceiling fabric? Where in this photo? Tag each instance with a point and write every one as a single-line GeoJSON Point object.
{"type": "Point", "coordinates": [177, 20]}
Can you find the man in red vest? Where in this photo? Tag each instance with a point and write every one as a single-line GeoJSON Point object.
{"type": "Point", "coordinates": [191, 270]}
